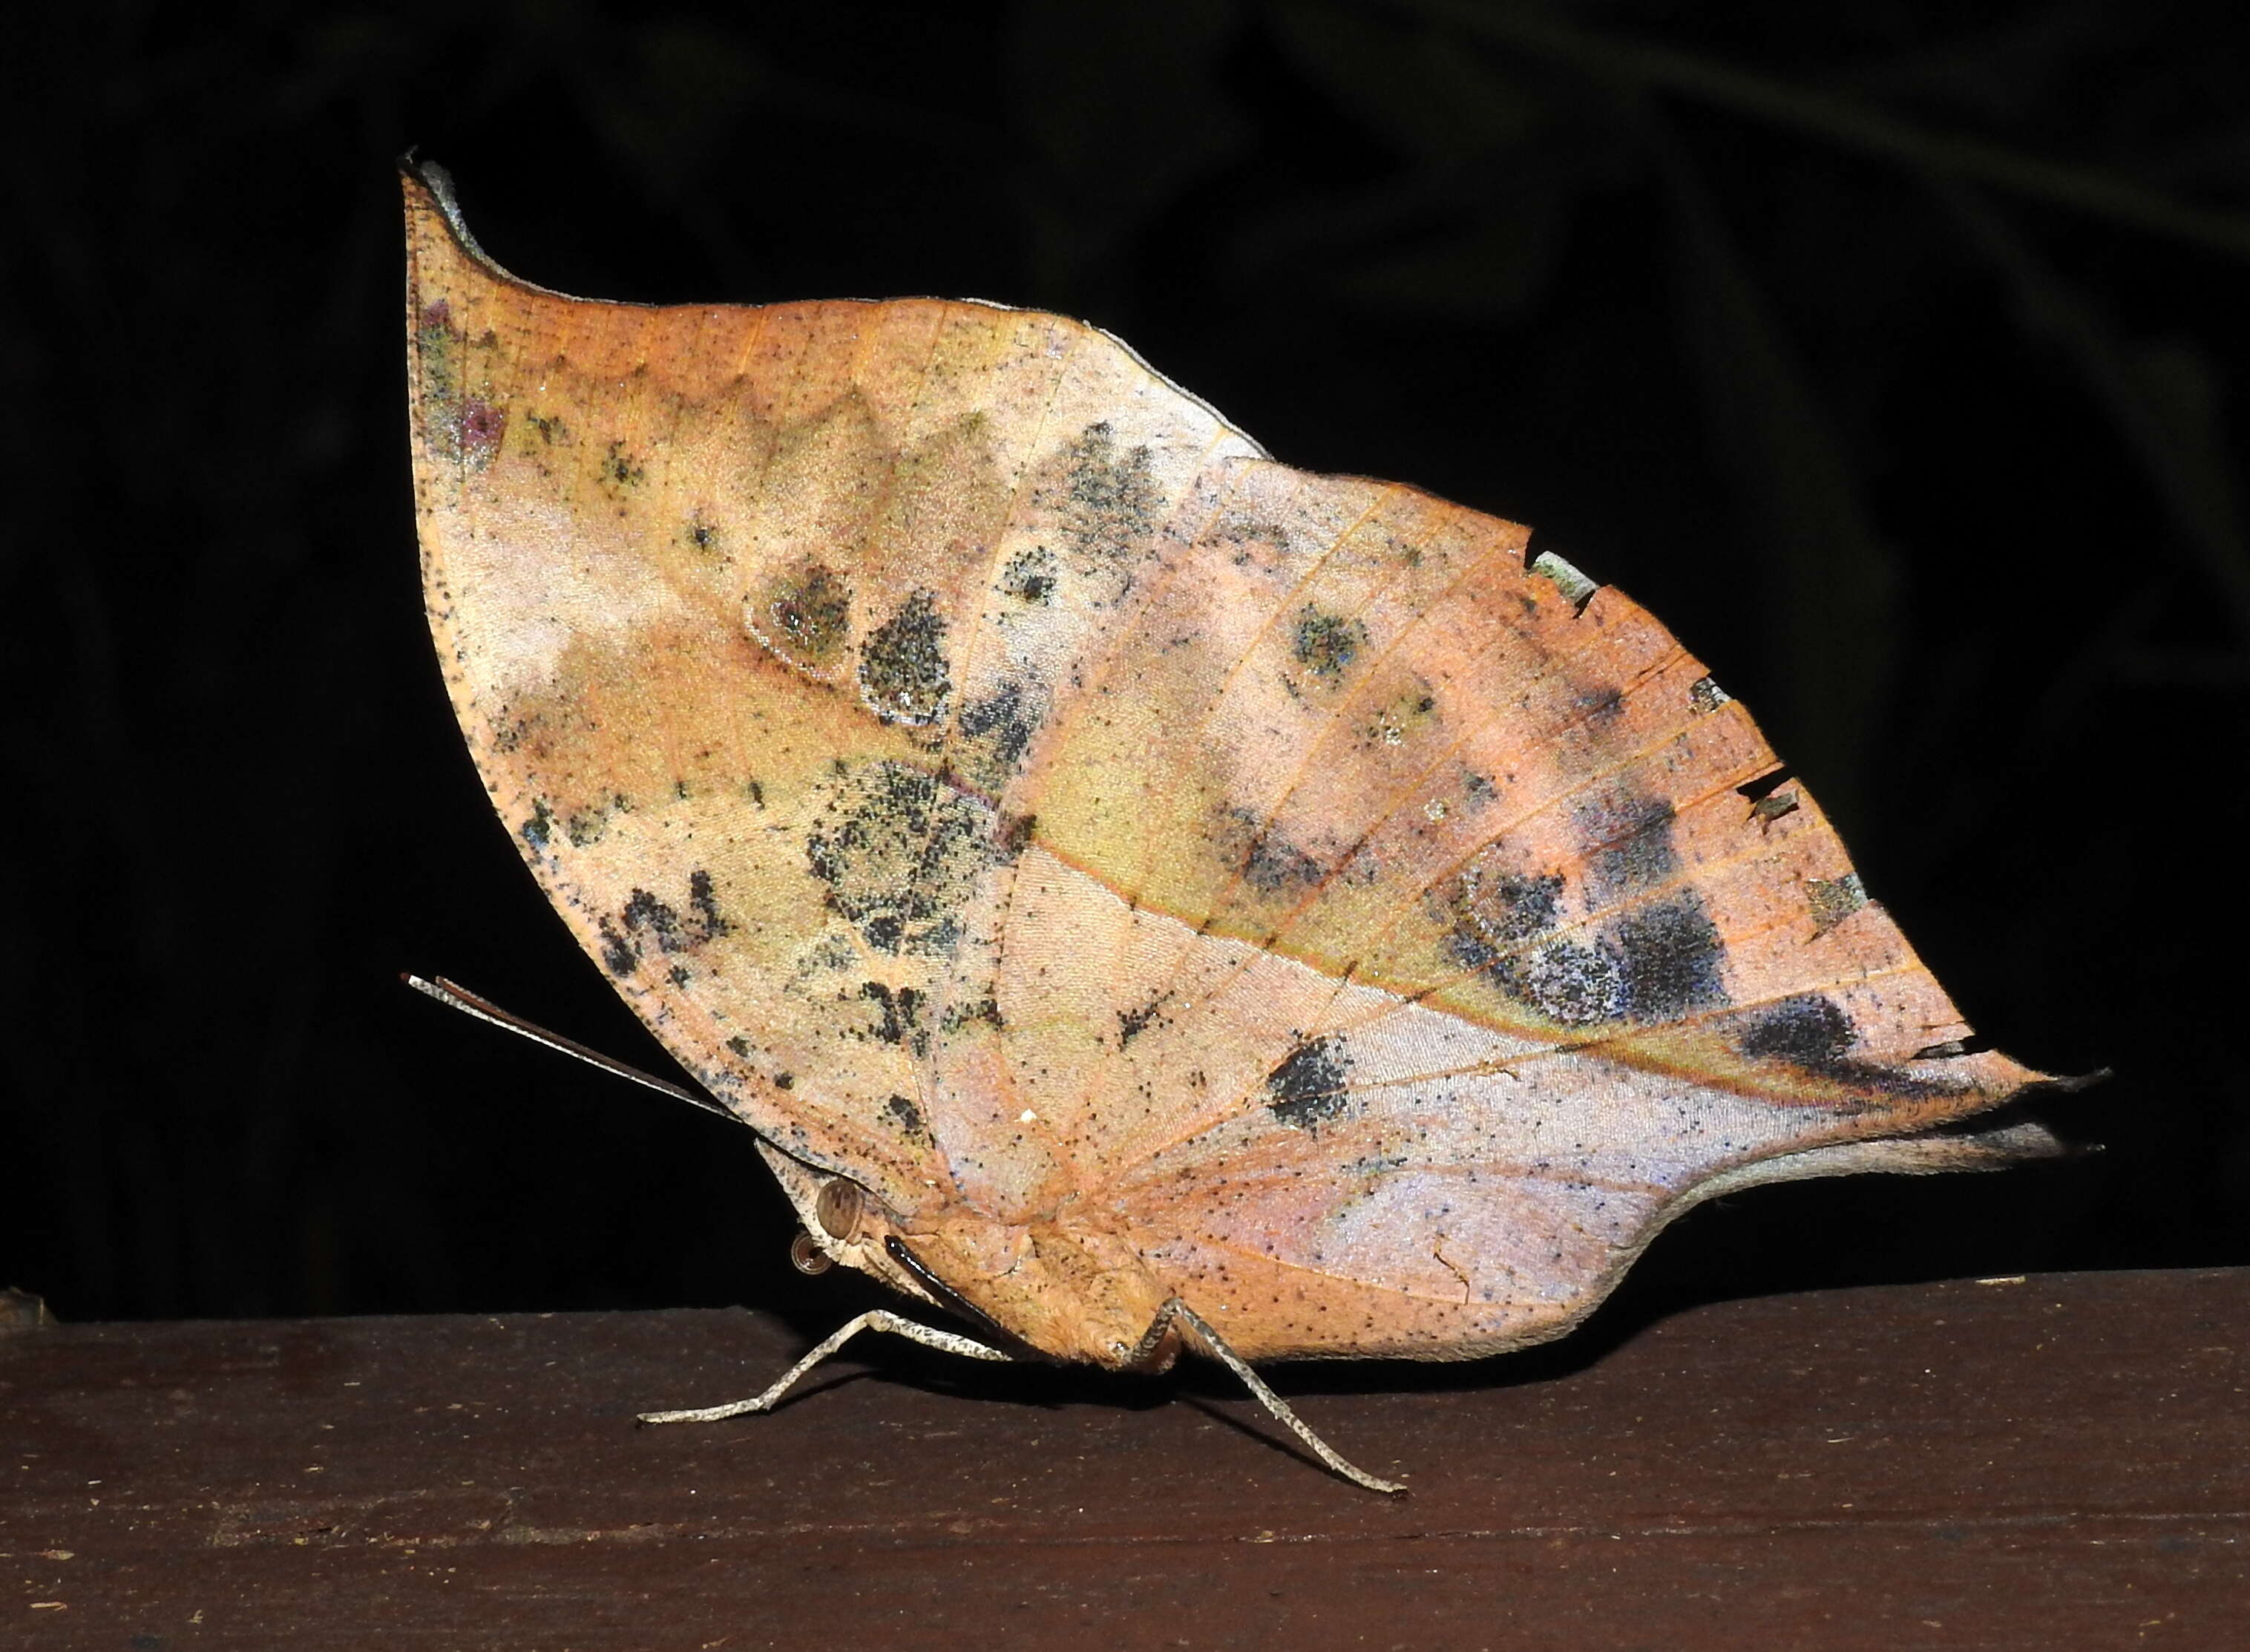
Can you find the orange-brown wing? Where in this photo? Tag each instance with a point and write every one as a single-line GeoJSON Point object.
{"type": "Point", "coordinates": [747, 615]}
{"type": "Point", "coordinates": [1000, 784]}
{"type": "Point", "coordinates": [1399, 951]}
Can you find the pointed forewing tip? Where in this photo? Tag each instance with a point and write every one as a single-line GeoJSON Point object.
{"type": "Point", "coordinates": [432, 201]}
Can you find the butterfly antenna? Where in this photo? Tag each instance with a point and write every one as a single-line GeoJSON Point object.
{"type": "Point", "coordinates": [469, 1003]}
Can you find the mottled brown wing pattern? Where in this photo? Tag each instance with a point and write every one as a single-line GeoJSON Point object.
{"type": "Point", "coordinates": [1450, 957]}
{"type": "Point", "coordinates": [749, 615]}
{"type": "Point", "coordinates": [1144, 868]}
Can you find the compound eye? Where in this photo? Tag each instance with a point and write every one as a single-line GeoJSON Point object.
{"type": "Point", "coordinates": [807, 1257]}
{"type": "Point", "coordinates": [839, 1208]}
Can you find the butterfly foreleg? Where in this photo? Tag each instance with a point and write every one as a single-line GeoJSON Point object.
{"type": "Point", "coordinates": [879, 1319]}
{"type": "Point", "coordinates": [1177, 1313]}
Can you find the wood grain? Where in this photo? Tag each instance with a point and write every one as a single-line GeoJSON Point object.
{"type": "Point", "coordinates": [2062, 1462]}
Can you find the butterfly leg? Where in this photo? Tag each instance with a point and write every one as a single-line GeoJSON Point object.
{"type": "Point", "coordinates": [879, 1319]}
{"type": "Point", "coordinates": [1176, 1312]}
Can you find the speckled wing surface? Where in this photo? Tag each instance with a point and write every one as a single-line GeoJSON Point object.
{"type": "Point", "coordinates": [1143, 868]}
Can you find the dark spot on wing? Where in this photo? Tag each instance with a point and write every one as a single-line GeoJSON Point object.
{"type": "Point", "coordinates": [1310, 1083]}
{"type": "Point", "coordinates": [620, 469]}
{"type": "Point", "coordinates": [1015, 834]}
{"type": "Point", "coordinates": [1326, 644]}
{"type": "Point", "coordinates": [1004, 720]}
{"type": "Point", "coordinates": [905, 1116]}
{"type": "Point", "coordinates": [1252, 542]}
{"type": "Point", "coordinates": [590, 824]}
{"type": "Point", "coordinates": [477, 427]}
{"type": "Point", "coordinates": [703, 906]}
{"type": "Point", "coordinates": [1270, 863]}
{"type": "Point", "coordinates": [1810, 1033]}
{"type": "Point", "coordinates": [1274, 864]}
{"type": "Point", "coordinates": [541, 827]}
{"type": "Point", "coordinates": [619, 956]}
{"type": "Point", "coordinates": [1132, 1023]}
{"type": "Point", "coordinates": [1670, 955]}
{"type": "Point", "coordinates": [646, 920]}
{"type": "Point", "coordinates": [1030, 574]}
{"type": "Point", "coordinates": [1602, 705]}
{"type": "Point", "coordinates": [1653, 964]}
{"type": "Point", "coordinates": [1110, 499]}
{"type": "Point", "coordinates": [1505, 909]}
{"type": "Point", "coordinates": [901, 1016]}
{"type": "Point", "coordinates": [1810, 1030]}
{"type": "Point", "coordinates": [900, 852]}
{"type": "Point", "coordinates": [1630, 840]}
{"type": "Point", "coordinates": [808, 614]}
{"type": "Point", "coordinates": [903, 671]}
{"type": "Point", "coordinates": [985, 1008]}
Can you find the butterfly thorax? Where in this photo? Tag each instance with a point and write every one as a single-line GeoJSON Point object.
{"type": "Point", "coordinates": [1058, 1281]}
{"type": "Point", "coordinates": [1074, 1292]}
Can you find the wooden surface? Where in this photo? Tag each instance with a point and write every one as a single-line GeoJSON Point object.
{"type": "Point", "coordinates": [2058, 1463]}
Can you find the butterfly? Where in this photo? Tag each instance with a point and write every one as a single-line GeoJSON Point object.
{"type": "Point", "coordinates": [1142, 896]}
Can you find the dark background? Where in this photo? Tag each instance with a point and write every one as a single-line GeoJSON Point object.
{"type": "Point", "coordinates": [1892, 352]}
